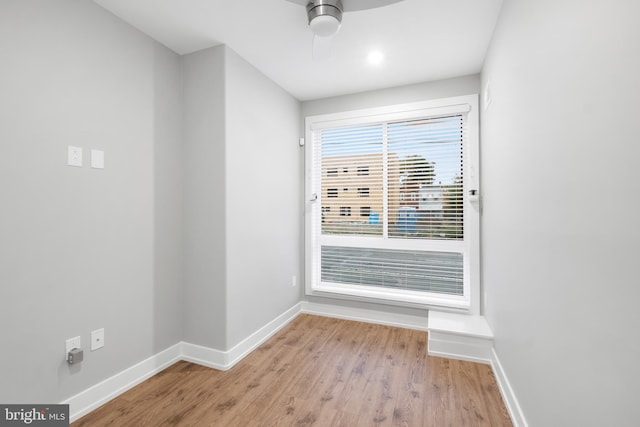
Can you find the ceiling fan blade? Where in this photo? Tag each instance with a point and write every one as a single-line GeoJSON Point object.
{"type": "Point", "coordinates": [354, 5]}
{"type": "Point", "coordinates": [300, 2]}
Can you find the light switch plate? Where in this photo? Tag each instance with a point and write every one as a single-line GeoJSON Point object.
{"type": "Point", "coordinates": [97, 339]}
{"type": "Point", "coordinates": [74, 156]}
{"type": "Point", "coordinates": [97, 159]}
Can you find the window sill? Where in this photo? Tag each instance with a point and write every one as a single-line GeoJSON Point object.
{"type": "Point", "coordinates": [459, 324]}
{"type": "Point", "coordinates": [397, 297]}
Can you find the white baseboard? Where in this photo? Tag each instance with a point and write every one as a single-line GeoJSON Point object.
{"type": "Point", "coordinates": [246, 346]}
{"type": "Point", "coordinates": [205, 356]}
{"type": "Point", "coordinates": [368, 316]}
{"type": "Point", "coordinates": [509, 397]}
{"type": "Point", "coordinates": [224, 360]}
{"type": "Point", "coordinates": [99, 394]}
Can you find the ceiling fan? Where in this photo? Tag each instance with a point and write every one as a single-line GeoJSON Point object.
{"type": "Point", "coordinates": [325, 16]}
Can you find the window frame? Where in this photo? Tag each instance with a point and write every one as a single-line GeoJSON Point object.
{"type": "Point", "coordinates": [470, 302]}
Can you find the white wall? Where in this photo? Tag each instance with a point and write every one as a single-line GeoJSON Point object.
{"type": "Point", "coordinates": [560, 227]}
{"type": "Point", "coordinates": [80, 248]}
{"type": "Point", "coordinates": [263, 190]}
{"type": "Point", "coordinates": [205, 233]}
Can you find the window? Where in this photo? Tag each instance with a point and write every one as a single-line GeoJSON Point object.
{"type": "Point", "coordinates": [414, 163]}
{"type": "Point", "coordinates": [345, 211]}
{"type": "Point", "coordinates": [332, 192]}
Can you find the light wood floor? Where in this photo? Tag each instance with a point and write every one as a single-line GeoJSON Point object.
{"type": "Point", "coordinates": [322, 372]}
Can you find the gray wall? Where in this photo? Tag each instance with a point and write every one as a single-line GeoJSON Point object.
{"type": "Point", "coordinates": [560, 226]}
{"type": "Point", "coordinates": [264, 213]}
{"type": "Point", "coordinates": [80, 248]}
{"type": "Point", "coordinates": [204, 198]}
{"type": "Point", "coordinates": [168, 292]}
{"type": "Point", "coordinates": [399, 95]}
{"type": "Point", "coordinates": [242, 189]}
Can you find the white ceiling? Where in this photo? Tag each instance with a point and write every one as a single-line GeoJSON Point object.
{"type": "Point", "coordinates": [422, 40]}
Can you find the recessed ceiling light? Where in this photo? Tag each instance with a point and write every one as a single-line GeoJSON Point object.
{"type": "Point", "coordinates": [375, 57]}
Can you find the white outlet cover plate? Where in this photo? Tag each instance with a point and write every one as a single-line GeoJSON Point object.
{"type": "Point", "coordinates": [97, 339]}
{"type": "Point", "coordinates": [70, 344]}
{"type": "Point", "coordinates": [74, 156]}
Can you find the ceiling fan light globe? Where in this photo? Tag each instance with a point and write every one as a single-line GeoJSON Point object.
{"type": "Point", "coordinates": [324, 25]}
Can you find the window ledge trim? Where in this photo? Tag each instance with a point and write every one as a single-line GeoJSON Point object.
{"type": "Point", "coordinates": [391, 296]}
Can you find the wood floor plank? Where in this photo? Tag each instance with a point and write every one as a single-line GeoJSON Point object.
{"type": "Point", "coordinates": [318, 371]}
{"type": "Point", "coordinates": [409, 407]}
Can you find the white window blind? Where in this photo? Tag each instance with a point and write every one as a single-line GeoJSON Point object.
{"type": "Point", "coordinates": [402, 182]}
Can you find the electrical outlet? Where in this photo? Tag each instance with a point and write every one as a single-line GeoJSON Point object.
{"type": "Point", "coordinates": [97, 339]}
{"type": "Point", "coordinates": [71, 343]}
{"type": "Point", "coordinates": [74, 156]}
{"type": "Point", "coordinates": [294, 281]}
